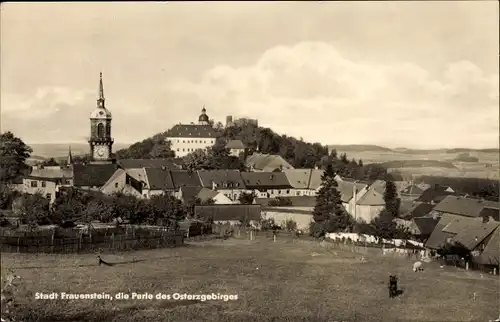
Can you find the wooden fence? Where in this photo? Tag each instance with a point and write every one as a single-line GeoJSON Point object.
{"type": "Point", "coordinates": [77, 241]}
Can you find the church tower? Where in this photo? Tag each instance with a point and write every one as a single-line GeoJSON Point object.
{"type": "Point", "coordinates": [203, 119]}
{"type": "Point", "coordinates": [100, 130]}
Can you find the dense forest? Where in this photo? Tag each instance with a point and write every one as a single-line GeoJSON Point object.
{"type": "Point", "coordinates": [476, 187]}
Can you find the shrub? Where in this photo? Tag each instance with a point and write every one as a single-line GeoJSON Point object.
{"type": "Point", "coordinates": [280, 202]}
{"type": "Point", "coordinates": [267, 224]}
{"type": "Point", "coordinates": [290, 225]}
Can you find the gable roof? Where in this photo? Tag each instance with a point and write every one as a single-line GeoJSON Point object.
{"type": "Point", "coordinates": [265, 180]}
{"type": "Point", "coordinates": [346, 189]}
{"type": "Point", "coordinates": [147, 163]}
{"type": "Point", "coordinates": [435, 194]}
{"type": "Point", "coordinates": [438, 236]}
{"type": "Point", "coordinates": [52, 172]}
{"type": "Point", "coordinates": [297, 201]}
{"type": "Point", "coordinates": [419, 210]}
{"type": "Point", "coordinates": [267, 162]}
{"type": "Point", "coordinates": [315, 181]}
{"type": "Point", "coordinates": [464, 206]}
{"type": "Point", "coordinates": [228, 212]}
{"type": "Point", "coordinates": [222, 178]}
{"type": "Point", "coordinates": [412, 190]}
{"type": "Point", "coordinates": [425, 225]}
{"type": "Point", "coordinates": [474, 234]}
{"type": "Point", "coordinates": [235, 144]}
{"type": "Point", "coordinates": [205, 194]}
{"type": "Point", "coordinates": [92, 175]}
{"type": "Point", "coordinates": [191, 131]}
{"type": "Point", "coordinates": [159, 179]}
{"type": "Point", "coordinates": [182, 178]}
{"type": "Point", "coordinates": [189, 193]}
{"type": "Point", "coordinates": [371, 198]}
{"type": "Point", "coordinates": [491, 252]}
{"type": "Point", "coordinates": [298, 178]}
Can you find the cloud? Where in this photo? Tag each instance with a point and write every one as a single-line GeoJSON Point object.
{"type": "Point", "coordinates": [311, 90]}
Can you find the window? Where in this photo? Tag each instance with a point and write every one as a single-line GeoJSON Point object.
{"type": "Point", "coordinates": [44, 184]}
{"type": "Point", "coordinates": [183, 141]}
{"type": "Point", "coordinates": [288, 191]}
{"type": "Point", "coordinates": [178, 149]}
{"type": "Point", "coordinates": [183, 150]}
{"type": "Point", "coordinates": [34, 184]}
{"type": "Point", "coordinates": [49, 196]}
{"type": "Point", "coordinates": [116, 184]}
{"type": "Point", "coordinates": [297, 193]}
{"type": "Point", "coordinates": [100, 130]}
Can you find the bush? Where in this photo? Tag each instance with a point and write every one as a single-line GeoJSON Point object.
{"type": "Point", "coordinates": [290, 225]}
{"type": "Point", "coordinates": [267, 224]}
{"type": "Point", "coordinates": [317, 230]}
{"type": "Point", "coordinates": [280, 202]}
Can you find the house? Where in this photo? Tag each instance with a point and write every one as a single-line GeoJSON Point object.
{"type": "Point", "coordinates": [187, 138]}
{"type": "Point", "coordinates": [228, 182]}
{"type": "Point", "coordinates": [46, 180]}
{"type": "Point", "coordinates": [266, 163]}
{"type": "Point", "coordinates": [188, 195]}
{"type": "Point", "coordinates": [184, 178]}
{"type": "Point", "coordinates": [170, 164]}
{"type": "Point", "coordinates": [236, 147]}
{"type": "Point", "coordinates": [229, 213]}
{"type": "Point", "coordinates": [315, 182]}
{"type": "Point", "coordinates": [141, 182]}
{"type": "Point", "coordinates": [435, 194]}
{"type": "Point", "coordinates": [411, 192]}
{"type": "Point", "coordinates": [475, 234]}
{"type": "Point", "coordinates": [299, 180]}
{"type": "Point", "coordinates": [490, 256]}
{"type": "Point", "coordinates": [418, 210]}
{"type": "Point", "coordinates": [466, 207]}
{"type": "Point", "coordinates": [371, 203]}
{"type": "Point", "coordinates": [122, 181]}
{"type": "Point", "coordinates": [92, 176]}
{"type": "Point", "coordinates": [267, 184]}
{"type": "Point", "coordinates": [351, 193]}
{"type": "Point", "coordinates": [422, 227]}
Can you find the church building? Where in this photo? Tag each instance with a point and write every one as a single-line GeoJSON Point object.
{"type": "Point", "coordinates": [100, 140]}
{"type": "Point", "coordinates": [187, 138]}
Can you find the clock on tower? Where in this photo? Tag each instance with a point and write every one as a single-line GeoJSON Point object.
{"type": "Point", "coordinates": [100, 140]}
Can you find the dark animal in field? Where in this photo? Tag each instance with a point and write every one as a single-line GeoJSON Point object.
{"type": "Point", "coordinates": [393, 286]}
{"type": "Point", "coordinates": [103, 262]}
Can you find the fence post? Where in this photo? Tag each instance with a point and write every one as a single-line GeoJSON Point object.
{"type": "Point", "coordinates": [18, 243]}
{"type": "Point", "coordinates": [80, 241]}
{"type": "Point", "coordinates": [52, 240]}
{"type": "Point", "coordinates": [494, 271]}
{"type": "Point", "coordinates": [113, 241]}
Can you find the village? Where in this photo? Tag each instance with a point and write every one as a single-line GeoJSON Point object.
{"type": "Point", "coordinates": [218, 172]}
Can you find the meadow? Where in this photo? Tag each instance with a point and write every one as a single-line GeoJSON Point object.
{"type": "Point", "coordinates": [486, 168]}
{"type": "Point", "coordinates": [286, 280]}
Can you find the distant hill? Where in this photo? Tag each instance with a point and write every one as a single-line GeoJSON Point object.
{"type": "Point", "coordinates": [403, 150]}
{"type": "Point", "coordinates": [358, 148]}
{"type": "Point", "coordinates": [60, 150]}
{"type": "Point", "coordinates": [417, 164]}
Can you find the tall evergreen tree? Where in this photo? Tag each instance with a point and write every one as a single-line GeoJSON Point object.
{"type": "Point", "coordinates": [329, 214]}
{"type": "Point", "coordinates": [391, 199]}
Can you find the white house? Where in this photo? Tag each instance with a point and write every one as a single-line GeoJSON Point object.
{"type": "Point", "coordinates": [187, 138]}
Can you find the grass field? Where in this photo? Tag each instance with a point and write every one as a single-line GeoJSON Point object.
{"type": "Point", "coordinates": [282, 281]}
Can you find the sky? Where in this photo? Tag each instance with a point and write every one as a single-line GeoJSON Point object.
{"type": "Point", "coordinates": [414, 74]}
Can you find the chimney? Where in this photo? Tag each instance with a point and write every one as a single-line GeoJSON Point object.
{"type": "Point", "coordinates": [229, 120]}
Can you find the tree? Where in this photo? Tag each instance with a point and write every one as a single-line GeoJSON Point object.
{"type": "Point", "coordinates": [391, 199]}
{"type": "Point", "coordinates": [161, 149]}
{"type": "Point", "coordinates": [13, 155]}
{"type": "Point", "coordinates": [7, 196]}
{"type": "Point", "coordinates": [32, 209]}
{"type": "Point", "coordinates": [360, 163]}
{"type": "Point", "coordinates": [219, 126]}
{"type": "Point", "coordinates": [50, 162]}
{"type": "Point", "coordinates": [246, 198]}
{"type": "Point", "coordinates": [329, 214]}
{"type": "Point", "coordinates": [169, 207]}
{"type": "Point", "coordinates": [196, 160]}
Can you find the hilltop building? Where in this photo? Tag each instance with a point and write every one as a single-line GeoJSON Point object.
{"type": "Point", "coordinates": [187, 138]}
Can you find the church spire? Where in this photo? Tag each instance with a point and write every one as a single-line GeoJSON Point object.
{"type": "Point", "coordinates": [100, 100]}
{"type": "Point", "coordinates": [70, 157]}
